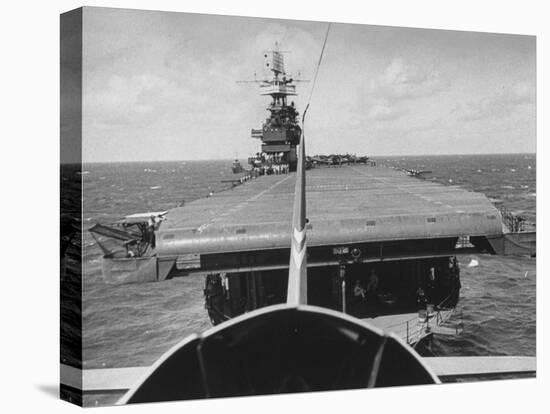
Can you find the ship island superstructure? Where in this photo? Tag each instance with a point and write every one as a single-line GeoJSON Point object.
{"type": "Point", "coordinates": [280, 133]}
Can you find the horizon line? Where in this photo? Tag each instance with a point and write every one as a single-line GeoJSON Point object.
{"type": "Point", "coordinates": [232, 158]}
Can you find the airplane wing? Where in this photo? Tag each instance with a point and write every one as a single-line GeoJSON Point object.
{"type": "Point", "coordinates": [140, 217]}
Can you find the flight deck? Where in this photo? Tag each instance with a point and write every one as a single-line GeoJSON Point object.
{"type": "Point", "coordinates": [348, 204]}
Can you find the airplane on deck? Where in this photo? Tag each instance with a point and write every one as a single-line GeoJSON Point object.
{"type": "Point", "coordinates": [416, 173]}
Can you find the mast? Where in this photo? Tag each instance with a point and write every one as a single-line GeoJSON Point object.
{"type": "Point", "coordinates": [280, 133]}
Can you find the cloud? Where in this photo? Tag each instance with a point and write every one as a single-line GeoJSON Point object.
{"type": "Point", "coordinates": [403, 81]}
{"type": "Point", "coordinates": [385, 112]}
{"type": "Point", "coordinates": [390, 96]}
{"type": "Point", "coordinates": [504, 104]}
{"type": "Point", "coordinates": [122, 99]}
{"type": "Point", "coordinates": [163, 84]}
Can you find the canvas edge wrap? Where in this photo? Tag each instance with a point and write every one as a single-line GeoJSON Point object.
{"type": "Point", "coordinates": [71, 52]}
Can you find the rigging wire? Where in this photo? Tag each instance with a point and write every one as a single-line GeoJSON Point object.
{"type": "Point", "coordinates": [316, 73]}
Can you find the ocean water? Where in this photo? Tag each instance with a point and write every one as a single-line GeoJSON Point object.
{"type": "Point", "coordinates": [132, 325]}
{"type": "Point", "coordinates": [498, 298]}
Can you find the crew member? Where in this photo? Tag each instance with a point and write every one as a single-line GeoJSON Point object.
{"type": "Point", "coordinates": [372, 285]}
{"type": "Point", "coordinates": [151, 227]}
{"type": "Point", "coordinates": [430, 285]}
{"type": "Point", "coordinates": [454, 273]}
{"type": "Point", "coordinates": [421, 298]}
{"type": "Point", "coordinates": [131, 248]}
{"type": "Point", "coordinates": [358, 290]}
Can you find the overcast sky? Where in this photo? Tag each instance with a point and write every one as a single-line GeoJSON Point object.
{"type": "Point", "coordinates": [161, 86]}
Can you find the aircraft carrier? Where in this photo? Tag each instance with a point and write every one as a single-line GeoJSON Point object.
{"type": "Point", "coordinates": [381, 247]}
{"type": "Point", "coordinates": [381, 242]}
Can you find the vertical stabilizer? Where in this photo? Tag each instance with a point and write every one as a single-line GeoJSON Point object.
{"type": "Point", "coordinates": [297, 274]}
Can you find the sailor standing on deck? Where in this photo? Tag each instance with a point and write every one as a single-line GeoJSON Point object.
{"type": "Point", "coordinates": [454, 272]}
{"type": "Point", "coordinates": [151, 231]}
{"type": "Point", "coordinates": [372, 285]}
{"type": "Point", "coordinates": [430, 285]}
{"type": "Point", "coordinates": [152, 224]}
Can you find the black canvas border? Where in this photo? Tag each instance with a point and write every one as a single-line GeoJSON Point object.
{"type": "Point", "coordinates": [71, 196]}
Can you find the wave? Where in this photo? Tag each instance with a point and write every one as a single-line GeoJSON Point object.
{"type": "Point", "coordinates": [495, 290]}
